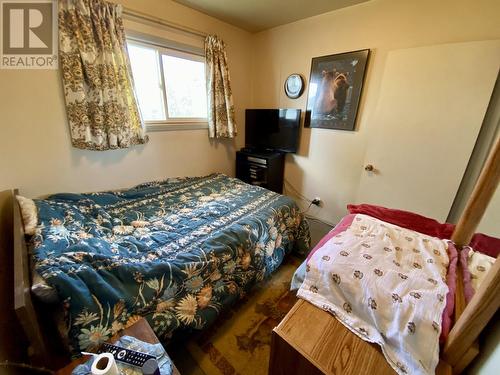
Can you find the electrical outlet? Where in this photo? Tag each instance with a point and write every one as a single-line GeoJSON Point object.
{"type": "Point", "coordinates": [317, 201]}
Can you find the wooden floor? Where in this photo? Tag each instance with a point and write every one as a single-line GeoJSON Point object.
{"type": "Point", "coordinates": [320, 339]}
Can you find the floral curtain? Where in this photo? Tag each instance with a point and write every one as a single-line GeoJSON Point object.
{"type": "Point", "coordinates": [221, 122]}
{"type": "Point", "coordinates": [98, 86]}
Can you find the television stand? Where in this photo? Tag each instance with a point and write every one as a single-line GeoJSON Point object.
{"type": "Point", "coordinates": [261, 168]}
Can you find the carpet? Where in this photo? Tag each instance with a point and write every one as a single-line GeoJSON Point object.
{"type": "Point", "coordinates": [240, 342]}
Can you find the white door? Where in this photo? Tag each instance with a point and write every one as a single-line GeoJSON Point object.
{"type": "Point", "coordinates": [431, 106]}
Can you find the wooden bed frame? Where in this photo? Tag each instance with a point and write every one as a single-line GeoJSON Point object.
{"type": "Point", "coordinates": [459, 350]}
{"type": "Point", "coordinates": [23, 304]}
{"type": "Point", "coordinates": [45, 346]}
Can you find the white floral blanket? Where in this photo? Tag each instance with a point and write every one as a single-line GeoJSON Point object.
{"type": "Point", "coordinates": [387, 285]}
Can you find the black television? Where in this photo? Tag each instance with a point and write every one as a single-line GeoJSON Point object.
{"type": "Point", "coordinates": [272, 129]}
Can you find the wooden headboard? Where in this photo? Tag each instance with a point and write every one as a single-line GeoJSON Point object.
{"type": "Point", "coordinates": [12, 338]}
{"type": "Point", "coordinates": [23, 303]}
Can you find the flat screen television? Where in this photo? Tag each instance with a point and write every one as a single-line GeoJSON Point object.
{"type": "Point", "coordinates": [272, 129]}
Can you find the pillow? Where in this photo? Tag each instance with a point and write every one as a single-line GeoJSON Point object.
{"type": "Point", "coordinates": [479, 265]}
{"type": "Point", "coordinates": [29, 214]}
{"type": "Point", "coordinates": [405, 219]}
{"type": "Point", "coordinates": [409, 220]}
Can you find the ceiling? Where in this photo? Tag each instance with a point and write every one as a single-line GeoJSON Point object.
{"type": "Point", "coordinates": [258, 15]}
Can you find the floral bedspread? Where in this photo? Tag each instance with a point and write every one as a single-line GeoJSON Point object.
{"type": "Point", "coordinates": [175, 252]}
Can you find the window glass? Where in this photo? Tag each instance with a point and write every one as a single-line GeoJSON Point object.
{"type": "Point", "coordinates": [180, 94]}
{"type": "Point", "coordinates": [185, 87]}
{"type": "Point", "coordinates": [147, 82]}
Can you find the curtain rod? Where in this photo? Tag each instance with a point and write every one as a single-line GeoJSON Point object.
{"type": "Point", "coordinates": [133, 14]}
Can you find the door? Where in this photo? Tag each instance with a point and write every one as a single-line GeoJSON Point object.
{"type": "Point", "coordinates": [431, 106]}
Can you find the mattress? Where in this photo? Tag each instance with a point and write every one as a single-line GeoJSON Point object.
{"type": "Point", "coordinates": [356, 228]}
{"type": "Point", "coordinates": [176, 252]}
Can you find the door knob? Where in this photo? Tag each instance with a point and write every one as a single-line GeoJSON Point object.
{"type": "Point", "coordinates": [369, 168]}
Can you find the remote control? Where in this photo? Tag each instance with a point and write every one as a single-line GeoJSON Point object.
{"type": "Point", "coordinates": [130, 357]}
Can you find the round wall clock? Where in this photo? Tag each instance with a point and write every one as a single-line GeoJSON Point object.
{"type": "Point", "coordinates": [294, 86]}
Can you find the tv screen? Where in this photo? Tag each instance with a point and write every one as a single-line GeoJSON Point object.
{"type": "Point", "coordinates": [272, 129]}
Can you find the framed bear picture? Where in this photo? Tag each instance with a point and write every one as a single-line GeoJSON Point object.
{"type": "Point", "coordinates": [335, 88]}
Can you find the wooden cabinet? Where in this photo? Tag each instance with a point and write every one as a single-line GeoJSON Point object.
{"type": "Point", "coordinates": [261, 168]}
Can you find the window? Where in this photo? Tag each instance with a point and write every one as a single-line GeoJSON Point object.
{"type": "Point", "coordinates": [170, 85]}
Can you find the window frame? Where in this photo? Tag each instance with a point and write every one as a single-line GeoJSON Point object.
{"type": "Point", "coordinates": [177, 123]}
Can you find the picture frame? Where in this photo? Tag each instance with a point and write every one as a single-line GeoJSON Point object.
{"type": "Point", "coordinates": [335, 86]}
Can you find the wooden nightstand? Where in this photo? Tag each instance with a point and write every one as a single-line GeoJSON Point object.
{"type": "Point", "coordinates": [140, 330]}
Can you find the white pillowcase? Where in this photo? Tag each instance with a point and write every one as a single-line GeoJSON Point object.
{"type": "Point", "coordinates": [29, 214]}
{"type": "Point", "coordinates": [479, 266]}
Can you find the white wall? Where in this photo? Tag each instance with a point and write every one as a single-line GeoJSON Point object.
{"type": "Point", "coordinates": [35, 149]}
{"type": "Point", "coordinates": [490, 131]}
{"type": "Point", "coordinates": [330, 162]}
{"type": "Point", "coordinates": [490, 223]}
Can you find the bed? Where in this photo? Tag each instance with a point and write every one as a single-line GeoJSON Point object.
{"type": "Point", "coordinates": [422, 299]}
{"type": "Point", "coordinates": [176, 252]}
{"type": "Point", "coordinates": [391, 286]}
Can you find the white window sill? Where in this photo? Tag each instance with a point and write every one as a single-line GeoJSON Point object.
{"type": "Point", "coordinates": [175, 126]}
